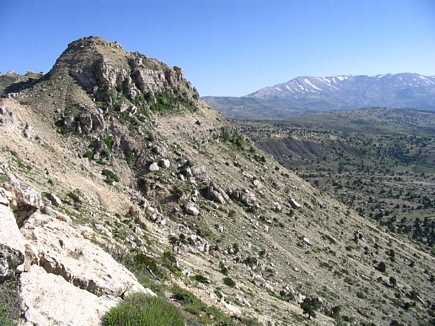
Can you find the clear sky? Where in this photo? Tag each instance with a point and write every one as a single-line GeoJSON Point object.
{"type": "Point", "coordinates": [231, 47]}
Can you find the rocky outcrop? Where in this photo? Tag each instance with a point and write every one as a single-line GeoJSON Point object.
{"type": "Point", "coordinates": [217, 193]}
{"type": "Point", "coordinates": [113, 69]}
{"type": "Point", "coordinates": [11, 243]}
{"type": "Point", "coordinates": [50, 300]}
{"type": "Point", "coordinates": [56, 264]}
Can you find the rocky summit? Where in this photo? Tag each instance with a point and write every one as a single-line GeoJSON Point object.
{"type": "Point", "coordinates": [116, 179]}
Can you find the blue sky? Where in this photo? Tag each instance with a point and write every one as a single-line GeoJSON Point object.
{"type": "Point", "coordinates": [231, 47]}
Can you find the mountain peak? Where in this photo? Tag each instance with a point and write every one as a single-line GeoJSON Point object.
{"type": "Point", "coordinates": [310, 94]}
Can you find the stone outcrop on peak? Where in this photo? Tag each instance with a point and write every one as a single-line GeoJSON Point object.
{"type": "Point", "coordinates": [103, 68]}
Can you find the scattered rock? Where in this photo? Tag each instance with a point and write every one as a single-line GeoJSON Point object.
{"type": "Point", "coordinates": [153, 167]}
{"type": "Point", "coordinates": [191, 209]}
{"type": "Point", "coordinates": [199, 173]}
{"type": "Point", "coordinates": [294, 203]}
{"type": "Point", "coordinates": [164, 163]}
{"type": "Point", "coordinates": [54, 199]}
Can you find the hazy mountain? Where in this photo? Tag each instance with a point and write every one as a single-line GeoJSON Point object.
{"type": "Point", "coordinates": [307, 94]}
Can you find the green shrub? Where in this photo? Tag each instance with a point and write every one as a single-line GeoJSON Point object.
{"type": "Point", "coordinates": [229, 281]}
{"type": "Point", "coordinates": [4, 317]}
{"type": "Point", "coordinates": [74, 197]}
{"type": "Point", "coordinates": [201, 279]}
{"type": "Point", "coordinates": [110, 175]}
{"type": "Point", "coordinates": [139, 309]}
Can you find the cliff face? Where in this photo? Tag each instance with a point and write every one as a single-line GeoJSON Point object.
{"type": "Point", "coordinates": [112, 155]}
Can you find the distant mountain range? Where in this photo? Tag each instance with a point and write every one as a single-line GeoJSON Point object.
{"type": "Point", "coordinates": [307, 94]}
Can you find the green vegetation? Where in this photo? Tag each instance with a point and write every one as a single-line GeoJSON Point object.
{"type": "Point", "coordinates": [110, 176]}
{"type": "Point", "coordinates": [140, 309]}
{"type": "Point", "coordinates": [309, 306]}
{"type": "Point", "coordinates": [229, 282]}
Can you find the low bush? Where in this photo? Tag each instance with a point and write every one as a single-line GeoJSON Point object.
{"type": "Point", "coordinates": [229, 282]}
{"type": "Point", "coordinates": [140, 309]}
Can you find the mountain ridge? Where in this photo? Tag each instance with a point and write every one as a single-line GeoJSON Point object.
{"type": "Point", "coordinates": [307, 94]}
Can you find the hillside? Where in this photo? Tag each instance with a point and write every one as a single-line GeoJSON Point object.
{"type": "Point", "coordinates": [308, 95]}
{"type": "Point", "coordinates": [379, 161]}
{"type": "Point", "coordinates": [112, 162]}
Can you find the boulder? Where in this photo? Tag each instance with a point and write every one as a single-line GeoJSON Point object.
{"type": "Point", "coordinates": [153, 167]}
{"type": "Point", "coordinates": [199, 173]}
{"type": "Point", "coordinates": [246, 197]}
{"type": "Point", "coordinates": [54, 199]}
{"type": "Point", "coordinates": [7, 119]}
{"type": "Point", "coordinates": [191, 209]}
{"type": "Point", "coordinates": [217, 193]}
{"type": "Point", "coordinates": [86, 122]}
{"type": "Point", "coordinates": [165, 163]}
{"type": "Point", "coordinates": [28, 201]}
{"type": "Point", "coordinates": [159, 150]}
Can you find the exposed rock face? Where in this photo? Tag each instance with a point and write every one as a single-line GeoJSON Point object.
{"type": "Point", "coordinates": [57, 264]}
{"type": "Point", "coordinates": [50, 300]}
{"type": "Point", "coordinates": [134, 72]}
{"type": "Point", "coordinates": [11, 244]}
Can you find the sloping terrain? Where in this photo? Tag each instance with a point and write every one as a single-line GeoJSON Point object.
{"type": "Point", "coordinates": [158, 179]}
{"type": "Point", "coordinates": [307, 95]}
{"type": "Point", "coordinates": [379, 161]}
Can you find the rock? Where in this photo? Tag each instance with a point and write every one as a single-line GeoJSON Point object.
{"type": "Point", "coordinates": [11, 244]}
{"type": "Point", "coordinates": [5, 197]}
{"type": "Point", "coordinates": [246, 197]}
{"type": "Point", "coordinates": [55, 214]}
{"type": "Point", "coordinates": [51, 300]}
{"type": "Point", "coordinates": [294, 203]}
{"type": "Point", "coordinates": [276, 206]}
{"type": "Point", "coordinates": [86, 122]}
{"type": "Point", "coordinates": [165, 163]}
{"type": "Point", "coordinates": [217, 193]}
{"type": "Point", "coordinates": [54, 199]}
{"type": "Point", "coordinates": [331, 239]}
{"type": "Point", "coordinates": [28, 131]}
{"type": "Point", "coordinates": [153, 167]}
{"type": "Point", "coordinates": [97, 122]}
{"type": "Point", "coordinates": [104, 230]}
{"type": "Point", "coordinates": [63, 251]}
{"type": "Point", "coordinates": [257, 183]}
{"type": "Point", "coordinates": [307, 241]}
{"type": "Point", "coordinates": [159, 150]}
{"type": "Point", "coordinates": [28, 201]}
{"type": "Point", "coordinates": [7, 119]}
{"type": "Point", "coordinates": [199, 173]}
{"type": "Point", "coordinates": [191, 209]}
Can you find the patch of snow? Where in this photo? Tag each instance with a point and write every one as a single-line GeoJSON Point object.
{"type": "Point", "coordinates": [278, 88]}
{"type": "Point", "coordinates": [286, 86]}
{"type": "Point", "coordinates": [341, 78]}
{"type": "Point", "coordinates": [300, 86]}
{"type": "Point", "coordinates": [307, 81]}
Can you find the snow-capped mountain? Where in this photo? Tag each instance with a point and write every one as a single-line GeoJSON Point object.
{"type": "Point", "coordinates": [337, 86]}
{"type": "Point", "coordinates": [309, 94]}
